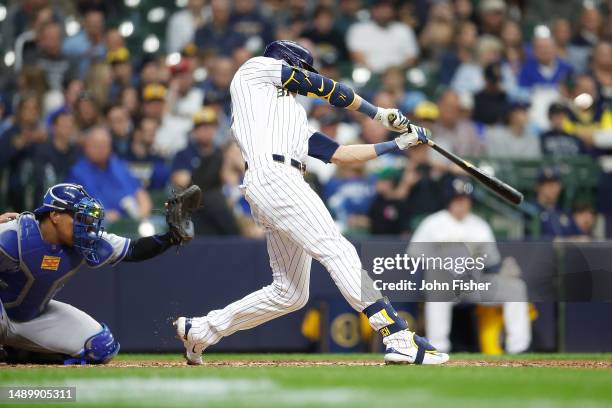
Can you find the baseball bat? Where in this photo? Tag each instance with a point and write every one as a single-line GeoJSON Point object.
{"type": "Point", "coordinates": [492, 183]}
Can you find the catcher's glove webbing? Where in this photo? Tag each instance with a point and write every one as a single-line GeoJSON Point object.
{"type": "Point", "coordinates": [179, 209]}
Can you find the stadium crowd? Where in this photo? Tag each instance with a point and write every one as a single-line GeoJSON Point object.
{"type": "Point", "coordinates": [81, 103]}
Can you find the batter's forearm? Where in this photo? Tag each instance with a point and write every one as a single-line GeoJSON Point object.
{"type": "Point", "coordinates": [352, 154]}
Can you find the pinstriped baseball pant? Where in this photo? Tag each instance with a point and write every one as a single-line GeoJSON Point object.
{"type": "Point", "coordinates": [298, 228]}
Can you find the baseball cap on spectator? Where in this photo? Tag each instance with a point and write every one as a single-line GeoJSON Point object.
{"type": "Point", "coordinates": [518, 105]}
{"type": "Point", "coordinates": [205, 116]}
{"type": "Point", "coordinates": [427, 110]}
{"type": "Point", "coordinates": [458, 187]}
{"type": "Point", "coordinates": [492, 6]}
{"type": "Point", "coordinates": [548, 173]}
{"type": "Point", "coordinates": [189, 50]}
{"type": "Point", "coordinates": [556, 108]}
{"type": "Point", "coordinates": [183, 65]}
{"type": "Point", "coordinates": [154, 92]}
{"type": "Point", "coordinates": [56, 114]}
{"type": "Point", "coordinates": [118, 56]}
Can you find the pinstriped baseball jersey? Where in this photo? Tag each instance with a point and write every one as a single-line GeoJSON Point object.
{"type": "Point", "coordinates": [267, 119]}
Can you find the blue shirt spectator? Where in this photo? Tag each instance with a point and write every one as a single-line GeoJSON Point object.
{"type": "Point", "coordinates": [109, 179]}
{"type": "Point", "coordinates": [218, 37]}
{"type": "Point", "coordinates": [350, 197]}
{"type": "Point", "coordinates": [544, 68]}
{"type": "Point", "coordinates": [88, 44]}
{"type": "Point", "coordinates": [147, 166]}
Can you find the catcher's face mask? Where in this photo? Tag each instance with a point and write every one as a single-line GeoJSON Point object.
{"type": "Point", "coordinates": [87, 227]}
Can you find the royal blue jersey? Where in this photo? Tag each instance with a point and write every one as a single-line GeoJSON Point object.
{"type": "Point", "coordinates": [32, 271]}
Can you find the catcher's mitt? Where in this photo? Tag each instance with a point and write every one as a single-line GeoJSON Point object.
{"type": "Point", "coordinates": [179, 208]}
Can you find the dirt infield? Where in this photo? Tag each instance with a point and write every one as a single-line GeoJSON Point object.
{"type": "Point", "coordinates": [588, 364]}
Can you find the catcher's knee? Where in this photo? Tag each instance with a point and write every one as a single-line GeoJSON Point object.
{"type": "Point", "coordinates": [98, 349]}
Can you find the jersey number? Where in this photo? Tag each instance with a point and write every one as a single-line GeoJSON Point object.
{"type": "Point", "coordinates": [280, 92]}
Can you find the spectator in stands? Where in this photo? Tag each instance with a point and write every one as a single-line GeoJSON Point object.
{"type": "Point", "coordinates": [513, 140]}
{"type": "Point", "coordinates": [601, 69]}
{"type": "Point", "coordinates": [88, 44]}
{"type": "Point", "coordinates": [492, 14]}
{"type": "Point", "coordinates": [17, 146]}
{"type": "Point", "coordinates": [183, 24]}
{"type": "Point", "coordinates": [589, 118]}
{"type": "Point", "coordinates": [382, 42]}
{"type": "Point", "coordinates": [469, 77]}
{"type": "Point", "coordinates": [556, 141]}
{"type": "Point", "coordinates": [584, 218]}
{"type": "Point", "coordinates": [202, 163]}
{"type": "Point", "coordinates": [99, 82]}
{"type": "Point", "coordinates": [171, 135]}
{"type": "Point", "coordinates": [25, 43]}
{"type": "Point", "coordinates": [183, 99]}
{"type": "Point", "coordinates": [121, 129]}
{"type": "Point", "coordinates": [247, 20]}
{"type": "Point", "coordinates": [466, 37]}
{"type": "Point", "coordinates": [217, 37]}
{"type": "Point", "coordinates": [437, 35]}
{"type": "Point", "coordinates": [561, 30]}
{"type": "Point", "coordinates": [216, 87]}
{"type": "Point", "coordinates": [119, 61]}
{"type": "Point", "coordinates": [54, 158]}
{"type": "Point", "coordinates": [513, 57]}
{"type": "Point", "coordinates": [544, 68]}
{"type": "Point", "coordinates": [49, 57]}
{"type": "Point", "coordinates": [491, 104]}
{"type": "Point", "coordinates": [86, 111]}
{"type": "Point", "coordinates": [73, 87]}
{"type": "Point", "coordinates": [142, 160]}
{"type": "Point", "coordinates": [328, 41]}
{"type": "Point", "coordinates": [349, 195]}
{"type": "Point", "coordinates": [109, 179]}
{"type": "Point", "coordinates": [553, 220]}
{"type": "Point", "coordinates": [130, 101]}
{"type": "Point", "coordinates": [393, 82]}
{"type": "Point", "coordinates": [586, 37]}
{"type": "Point", "coordinates": [419, 189]}
{"type": "Point", "coordinates": [454, 131]}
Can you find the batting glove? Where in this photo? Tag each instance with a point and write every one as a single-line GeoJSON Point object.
{"type": "Point", "coordinates": [416, 136]}
{"type": "Point", "coordinates": [392, 119]}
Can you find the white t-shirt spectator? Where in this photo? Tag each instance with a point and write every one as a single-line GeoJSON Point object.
{"type": "Point", "coordinates": [181, 29]}
{"type": "Point", "coordinates": [383, 47]}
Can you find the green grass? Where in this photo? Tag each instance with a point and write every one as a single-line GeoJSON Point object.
{"type": "Point", "coordinates": [327, 386]}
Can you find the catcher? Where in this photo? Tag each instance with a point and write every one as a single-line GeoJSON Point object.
{"type": "Point", "coordinates": [41, 251]}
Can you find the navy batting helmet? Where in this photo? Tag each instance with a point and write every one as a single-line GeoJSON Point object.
{"type": "Point", "coordinates": [292, 53]}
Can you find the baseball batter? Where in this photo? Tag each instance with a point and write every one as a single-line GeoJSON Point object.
{"type": "Point", "coordinates": [272, 130]}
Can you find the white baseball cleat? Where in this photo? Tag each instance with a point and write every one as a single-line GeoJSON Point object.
{"type": "Point", "coordinates": [406, 347]}
{"type": "Point", "coordinates": [193, 349]}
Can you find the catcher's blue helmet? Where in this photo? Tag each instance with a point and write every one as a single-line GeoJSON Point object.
{"type": "Point", "coordinates": [62, 197]}
{"type": "Point", "coordinates": [88, 215]}
{"type": "Point", "coordinates": [292, 53]}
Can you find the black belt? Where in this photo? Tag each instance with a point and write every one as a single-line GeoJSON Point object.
{"type": "Point", "coordinates": [281, 159]}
